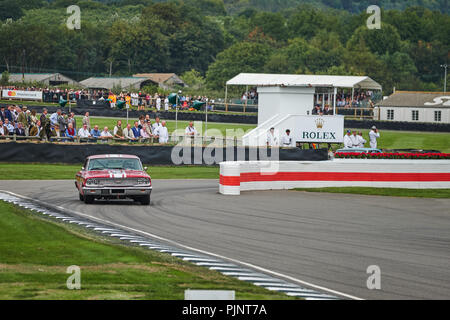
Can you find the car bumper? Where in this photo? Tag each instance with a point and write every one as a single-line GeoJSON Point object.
{"type": "Point", "coordinates": [117, 191]}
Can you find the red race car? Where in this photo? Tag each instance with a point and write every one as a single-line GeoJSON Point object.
{"type": "Point", "coordinates": [113, 177]}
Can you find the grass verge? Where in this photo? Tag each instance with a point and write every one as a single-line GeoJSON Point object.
{"type": "Point", "coordinates": [391, 192]}
{"type": "Point", "coordinates": [27, 171]}
{"type": "Point", "coordinates": [35, 253]}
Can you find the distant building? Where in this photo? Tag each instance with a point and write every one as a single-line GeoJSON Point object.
{"type": "Point", "coordinates": [50, 79]}
{"type": "Point", "coordinates": [125, 83]}
{"type": "Point", "coordinates": [412, 106]}
{"type": "Point", "coordinates": [164, 80]}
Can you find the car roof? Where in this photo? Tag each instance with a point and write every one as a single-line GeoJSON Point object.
{"type": "Point", "coordinates": [104, 156]}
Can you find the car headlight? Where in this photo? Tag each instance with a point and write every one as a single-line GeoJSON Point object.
{"type": "Point", "coordinates": [143, 181]}
{"type": "Point", "coordinates": [92, 182]}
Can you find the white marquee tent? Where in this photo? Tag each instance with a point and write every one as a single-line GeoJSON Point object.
{"type": "Point", "coordinates": [300, 80]}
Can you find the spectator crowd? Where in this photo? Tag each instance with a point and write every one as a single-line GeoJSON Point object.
{"type": "Point", "coordinates": [61, 126]}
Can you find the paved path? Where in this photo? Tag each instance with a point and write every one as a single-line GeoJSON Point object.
{"type": "Point", "coordinates": [326, 239]}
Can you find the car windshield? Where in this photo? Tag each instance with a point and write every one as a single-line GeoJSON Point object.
{"type": "Point", "coordinates": [115, 164]}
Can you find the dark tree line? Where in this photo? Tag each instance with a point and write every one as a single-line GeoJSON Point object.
{"type": "Point", "coordinates": [134, 36]}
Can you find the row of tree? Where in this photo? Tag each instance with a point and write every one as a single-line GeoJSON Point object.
{"type": "Point", "coordinates": [199, 38]}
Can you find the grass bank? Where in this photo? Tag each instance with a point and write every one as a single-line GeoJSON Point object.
{"type": "Point", "coordinates": [27, 171]}
{"type": "Point", "coordinates": [391, 192]}
{"type": "Point", "coordinates": [35, 253]}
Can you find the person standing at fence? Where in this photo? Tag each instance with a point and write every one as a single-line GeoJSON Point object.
{"type": "Point", "coordinates": [136, 130]}
{"type": "Point", "coordinates": [287, 140]}
{"type": "Point", "coordinates": [22, 119]}
{"type": "Point", "coordinates": [106, 135]}
{"type": "Point", "coordinates": [84, 132]}
{"type": "Point", "coordinates": [87, 120]}
{"type": "Point", "coordinates": [3, 129]}
{"type": "Point", "coordinates": [361, 141]}
{"type": "Point", "coordinates": [63, 124]}
{"type": "Point", "coordinates": [163, 133]}
{"type": "Point", "coordinates": [157, 124]}
{"type": "Point", "coordinates": [166, 103]}
{"type": "Point", "coordinates": [70, 132]}
{"type": "Point", "coordinates": [71, 119]}
{"type": "Point", "coordinates": [95, 133]}
{"type": "Point", "coordinates": [190, 130]}
{"type": "Point", "coordinates": [272, 140]}
{"type": "Point", "coordinates": [355, 140]}
{"type": "Point", "coordinates": [118, 131]}
{"type": "Point", "coordinates": [54, 117]}
{"type": "Point", "coordinates": [9, 126]}
{"type": "Point", "coordinates": [113, 99]}
{"type": "Point", "coordinates": [2, 114]}
{"type": "Point", "coordinates": [158, 103]}
{"type": "Point", "coordinates": [128, 133]}
{"type": "Point", "coordinates": [348, 142]}
{"type": "Point", "coordinates": [35, 129]}
{"type": "Point", "coordinates": [374, 135]}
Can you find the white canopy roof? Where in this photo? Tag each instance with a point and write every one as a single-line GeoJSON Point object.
{"type": "Point", "coordinates": [301, 80]}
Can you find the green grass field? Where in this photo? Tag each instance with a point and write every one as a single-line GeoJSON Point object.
{"type": "Point", "coordinates": [390, 192]}
{"type": "Point", "coordinates": [241, 129]}
{"type": "Point", "coordinates": [35, 253]}
{"type": "Point", "coordinates": [389, 139]}
{"type": "Point", "coordinates": [27, 171]}
{"type": "Point", "coordinates": [412, 140]}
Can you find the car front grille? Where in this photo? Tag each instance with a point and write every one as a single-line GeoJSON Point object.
{"type": "Point", "coordinates": [120, 182]}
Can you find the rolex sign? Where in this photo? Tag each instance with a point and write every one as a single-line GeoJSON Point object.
{"type": "Point", "coordinates": [320, 129]}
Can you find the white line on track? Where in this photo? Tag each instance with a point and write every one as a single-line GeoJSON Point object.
{"type": "Point", "coordinates": [175, 243]}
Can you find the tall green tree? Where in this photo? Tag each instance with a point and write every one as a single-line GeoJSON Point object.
{"type": "Point", "coordinates": [244, 56]}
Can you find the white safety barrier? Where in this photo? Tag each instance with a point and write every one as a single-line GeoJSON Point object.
{"type": "Point", "coordinates": [264, 175]}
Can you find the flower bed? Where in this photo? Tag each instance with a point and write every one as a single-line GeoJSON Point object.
{"type": "Point", "coordinates": [407, 156]}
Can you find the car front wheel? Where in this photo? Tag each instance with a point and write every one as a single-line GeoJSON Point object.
{"type": "Point", "coordinates": [145, 200]}
{"type": "Point", "coordinates": [88, 199]}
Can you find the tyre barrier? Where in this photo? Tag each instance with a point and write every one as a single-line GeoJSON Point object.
{"type": "Point", "coordinates": [236, 177]}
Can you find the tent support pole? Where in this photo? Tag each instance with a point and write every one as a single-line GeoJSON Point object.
{"type": "Point", "coordinates": [334, 101]}
{"type": "Point", "coordinates": [226, 98]}
{"type": "Point", "coordinates": [353, 96]}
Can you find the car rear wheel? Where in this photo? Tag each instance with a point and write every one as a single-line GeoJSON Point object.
{"type": "Point", "coordinates": [88, 199]}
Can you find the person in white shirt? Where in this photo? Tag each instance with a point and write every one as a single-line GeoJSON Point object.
{"type": "Point", "coordinates": [134, 99]}
{"type": "Point", "coordinates": [373, 136]}
{"type": "Point", "coordinates": [3, 130]}
{"type": "Point", "coordinates": [54, 117]}
{"type": "Point", "coordinates": [157, 124]}
{"type": "Point", "coordinates": [190, 130]}
{"type": "Point", "coordinates": [348, 143]}
{"type": "Point", "coordinates": [166, 104]}
{"type": "Point", "coordinates": [158, 103]}
{"type": "Point", "coordinates": [354, 138]}
{"type": "Point", "coordinates": [84, 132]}
{"type": "Point", "coordinates": [106, 134]}
{"type": "Point", "coordinates": [361, 140]}
{"type": "Point", "coordinates": [287, 140]}
{"type": "Point", "coordinates": [272, 140]}
{"type": "Point", "coordinates": [163, 133]}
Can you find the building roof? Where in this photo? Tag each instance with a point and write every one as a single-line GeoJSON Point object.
{"type": "Point", "coordinates": [417, 100]}
{"type": "Point", "coordinates": [301, 80]}
{"type": "Point", "coordinates": [37, 77]}
{"type": "Point", "coordinates": [159, 77]}
{"type": "Point", "coordinates": [109, 83]}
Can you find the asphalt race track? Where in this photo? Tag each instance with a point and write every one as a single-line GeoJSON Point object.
{"type": "Point", "coordinates": [326, 239]}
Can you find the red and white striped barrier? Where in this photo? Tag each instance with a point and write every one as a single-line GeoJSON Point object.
{"type": "Point", "coordinates": [264, 175]}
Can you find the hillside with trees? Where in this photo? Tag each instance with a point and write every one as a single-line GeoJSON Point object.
{"type": "Point", "coordinates": [210, 41]}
